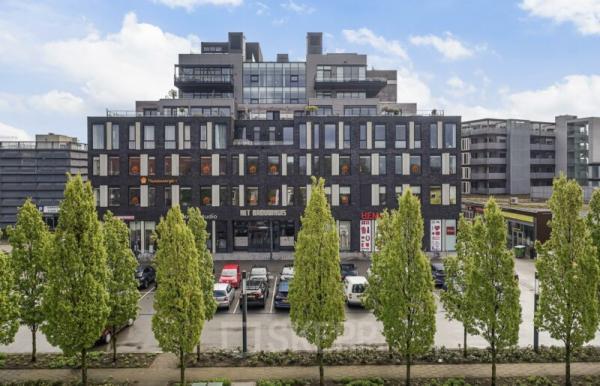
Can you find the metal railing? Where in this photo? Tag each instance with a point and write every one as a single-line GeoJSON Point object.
{"type": "Point", "coordinates": [50, 145]}
{"type": "Point", "coordinates": [204, 78]}
{"type": "Point", "coordinates": [249, 142]}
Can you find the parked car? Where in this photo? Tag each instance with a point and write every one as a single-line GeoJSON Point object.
{"type": "Point", "coordinates": [145, 276]}
{"type": "Point", "coordinates": [287, 273]}
{"type": "Point", "coordinates": [231, 274]}
{"type": "Point", "coordinates": [281, 297]}
{"type": "Point", "coordinates": [257, 292]}
{"type": "Point", "coordinates": [259, 272]}
{"type": "Point", "coordinates": [106, 335]}
{"type": "Point", "coordinates": [223, 294]}
{"type": "Point", "coordinates": [354, 289]}
{"type": "Point", "coordinates": [348, 269]}
{"type": "Point", "coordinates": [439, 274]}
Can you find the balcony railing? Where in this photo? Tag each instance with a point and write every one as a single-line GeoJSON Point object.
{"type": "Point", "coordinates": [204, 78]}
{"type": "Point", "coordinates": [132, 113]}
{"type": "Point", "coordinates": [249, 142]}
{"type": "Point", "coordinates": [32, 145]}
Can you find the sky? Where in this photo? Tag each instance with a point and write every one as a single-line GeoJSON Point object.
{"type": "Point", "coordinates": [64, 60]}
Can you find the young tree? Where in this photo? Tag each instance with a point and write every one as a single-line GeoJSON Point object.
{"type": "Point", "coordinates": [179, 303]}
{"type": "Point", "coordinates": [403, 290]}
{"type": "Point", "coordinates": [568, 273]}
{"type": "Point", "coordinates": [30, 241]}
{"type": "Point", "coordinates": [454, 299]}
{"type": "Point", "coordinates": [9, 302]}
{"type": "Point", "coordinates": [121, 284]}
{"type": "Point", "coordinates": [75, 302]}
{"type": "Point", "coordinates": [492, 288]}
{"type": "Point", "coordinates": [593, 221]}
{"type": "Point", "coordinates": [316, 295]}
{"type": "Point", "coordinates": [197, 224]}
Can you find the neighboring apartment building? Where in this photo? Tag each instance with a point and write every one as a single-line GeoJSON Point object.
{"type": "Point", "coordinates": [242, 137]}
{"type": "Point", "coordinates": [507, 156]}
{"type": "Point", "coordinates": [579, 142]}
{"type": "Point", "coordinates": [38, 169]}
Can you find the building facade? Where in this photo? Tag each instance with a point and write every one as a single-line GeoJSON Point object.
{"type": "Point", "coordinates": [579, 142]}
{"type": "Point", "coordinates": [241, 137]}
{"type": "Point", "coordinates": [38, 169]}
{"type": "Point", "coordinates": [507, 156]}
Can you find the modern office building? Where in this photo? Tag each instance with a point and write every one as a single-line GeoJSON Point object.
{"type": "Point", "coordinates": [579, 141]}
{"type": "Point", "coordinates": [38, 169]}
{"type": "Point", "coordinates": [507, 156]}
{"type": "Point", "coordinates": [241, 137]}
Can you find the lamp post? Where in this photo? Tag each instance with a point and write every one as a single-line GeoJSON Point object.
{"type": "Point", "coordinates": [536, 333]}
{"type": "Point", "coordinates": [244, 313]}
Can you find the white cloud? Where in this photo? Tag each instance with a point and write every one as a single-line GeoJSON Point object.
{"type": "Point", "coordinates": [135, 63]}
{"type": "Point", "coordinates": [300, 8]}
{"type": "Point", "coordinates": [10, 133]}
{"type": "Point", "coordinates": [585, 14]}
{"type": "Point", "coordinates": [190, 5]}
{"type": "Point", "coordinates": [450, 47]}
{"type": "Point", "coordinates": [365, 36]}
{"type": "Point", "coordinates": [261, 8]}
{"type": "Point", "coordinates": [57, 101]}
{"type": "Point", "coordinates": [458, 87]}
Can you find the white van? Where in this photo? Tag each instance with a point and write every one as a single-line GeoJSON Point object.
{"type": "Point", "coordinates": [354, 288]}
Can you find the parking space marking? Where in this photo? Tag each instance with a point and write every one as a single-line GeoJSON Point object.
{"type": "Point", "coordinates": [146, 293]}
{"type": "Point", "coordinates": [237, 302]}
{"type": "Point", "coordinates": [273, 295]}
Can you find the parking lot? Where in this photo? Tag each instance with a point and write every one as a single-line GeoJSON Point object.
{"type": "Point", "coordinates": [270, 329]}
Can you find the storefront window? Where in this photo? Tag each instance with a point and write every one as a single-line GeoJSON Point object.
{"type": "Point", "coordinates": [185, 197]}
{"type": "Point", "coordinates": [205, 195]}
{"type": "Point", "coordinates": [185, 165]}
{"type": "Point", "coordinates": [149, 242]}
{"type": "Point", "coordinates": [450, 234]}
{"type": "Point", "coordinates": [240, 235]}
{"type": "Point", "coordinates": [205, 166]}
{"type": "Point", "coordinates": [273, 196]}
{"type": "Point", "coordinates": [287, 230]}
{"type": "Point", "coordinates": [135, 236]}
{"type": "Point", "coordinates": [273, 165]}
{"type": "Point", "coordinates": [134, 165]}
{"type": "Point", "coordinates": [435, 195]}
{"type": "Point", "coordinates": [251, 165]}
{"type": "Point", "coordinates": [221, 227]}
{"type": "Point", "coordinates": [251, 195]}
{"type": "Point", "coordinates": [344, 234]}
{"type": "Point", "coordinates": [345, 165]}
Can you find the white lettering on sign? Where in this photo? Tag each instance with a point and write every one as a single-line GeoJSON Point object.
{"type": "Point", "coordinates": [262, 212]}
{"type": "Point", "coordinates": [436, 235]}
{"type": "Point", "coordinates": [366, 239]}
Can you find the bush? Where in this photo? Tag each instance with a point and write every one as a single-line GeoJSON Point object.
{"type": "Point", "coordinates": [282, 382]}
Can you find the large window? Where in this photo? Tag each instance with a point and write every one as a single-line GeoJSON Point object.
{"type": "Point", "coordinates": [98, 136]}
{"type": "Point", "coordinates": [379, 137]}
{"type": "Point", "coordinates": [170, 140]}
{"type": "Point", "coordinates": [400, 142]}
{"type": "Point", "coordinates": [363, 136]}
{"type": "Point", "coordinates": [96, 166]}
{"type": "Point", "coordinates": [114, 196]}
{"type": "Point", "coordinates": [168, 196]}
{"type": "Point", "coordinates": [185, 197]}
{"type": "Point", "coordinates": [222, 165]}
{"type": "Point", "coordinates": [252, 165]}
{"type": "Point", "coordinates": [433, 136]}
{"type": "Point", "coordinates": [330, 136]}
{"type": "Point", "coordinates": [452, 192]}
{"type": "Point", "coordinates": [269, 82]}
{"type": "Point", "coordinates": [185, 165]}
{"type": "Point", "coordinates": [251, 195]}
{"type": "Point", "coordinates": [273, 165]}
{"type": "Point", "coordinates": [345, 165]}
{"type": "Point", "coordinates": [327, 165]}
{"type": "Point", "coordinates": [235, 196]}
{"type": "Point", "coordinates": [435, 195]}
{"type": "Point", "coordinates": [360, 111]}
{"type": "Point", "coordinates": [415, 164]}
{"type": "Point", "coordinates": [450, 135]}
{"type": "Point", "coordinates": [316, 136]}
{"type": "Point", "coordinates": [134, 196]}
{"type": "Point", "coordinates": [220, 136]}
{"type": "Point", "coordinates": [290, 165]}
{"type": "Point", "coordinates": [302, 165]}
{"type": "Point", "coordinates": [115, 137]}
{"type": "Point", "coordinates": [382, 165]}
{"type": "Point", "coordinates": [303, 196]}
{"type": "Point", "coordinates": [203, 137]}
{"type": "Point", "coordinates": [205, 165]}
{"type": "Point", "coordinates": [398, 165]}
{"type": "Point", "coordinates": [151, 196]}
{"type": "Point", "coordinates": [205, 195]}
{"type": "Point", "coordinates": [288, 135]}
{"type": "Point", "coordinates": [187, 137]}
{"type": "Point", "coordinates": [418, 135]}
{"type": "Point", "coordinates": [290, 195]}
{"type": "Point", "coordinates": [452, 164]}
{"type": "Point", "coordinates": [235, 165]}
{"type": "Point", "coordinates": [223, 199]}
{"type": "Point", "coordinates": [435, 164]}
{"type": "Point", "coordinates": [364, 164]}
{"type": "Point", "coordinates": [347, 136]}
{"type": "Point", "coordinates": [168, 166]}
{"type": "Point", "coordinates": [149, 137]}
{"type": "Point", "coordinates": [113, 166]}
{"type": "Point", "coordinates": [344, 234]}
{"type": "Point", "coordinates": [273, 196]}
{"type": "Point", "coordinates": [316, 165]}
{"type": "Point", "coordinates": [134, 165]}
{"type": "Point", "coordinates": [302, 135]}
{"type": "Point", "coordinates": [344, 197]}
{"type": "Point", "coordinates": [382, 195]}
{"type": "Point", "coordinates": [340, 73]}
{"type": "Point", "coordinates": [132, 137]}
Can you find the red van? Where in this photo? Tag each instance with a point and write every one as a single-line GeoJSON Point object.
{"type": "Point", "coordinates": [231, 274]}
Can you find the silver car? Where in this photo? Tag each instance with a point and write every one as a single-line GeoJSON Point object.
{"type": "Point", "coordinates": [224, 294]}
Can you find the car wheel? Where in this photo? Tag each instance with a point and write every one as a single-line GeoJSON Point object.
{"type": "Point", "coordinates": [107, 338]}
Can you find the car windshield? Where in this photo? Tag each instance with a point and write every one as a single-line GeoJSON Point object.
{"type": "Point", "coordinates": [358, 288]}
{"type": "Point", "coordinates": [229, 272]}
{"type": "Point", "coordinates": [258, 272]}
{"type": "Point", "coordinates": [253, 284]}
{"type": "Point", "coordinates": [348, 267]}
{"type": "Point", "coordinates": [219, 293]}
{"type": "Point", "coordinates": [287, 271]}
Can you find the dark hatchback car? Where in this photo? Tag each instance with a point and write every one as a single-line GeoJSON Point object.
{"type": "Point", "coordinates": [145, 276]}
{"type": "Point", "coordinates": [258, 292]}
{"type": "Point", "coordinates": [281, 297]}
{"type": "Point", "coordinates": [348, 269]}
{"type": "Point", "coordinates": [439, 275]}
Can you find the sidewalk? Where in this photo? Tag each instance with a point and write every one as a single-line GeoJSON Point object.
{"type": "Point", "coordinates": [155, 376]}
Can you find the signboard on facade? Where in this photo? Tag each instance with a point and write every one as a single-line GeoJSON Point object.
{"type": "Point", "coordinates": [157, 181]}
{"type": "Point", "coordinates": [366, 238]}
{"type": "Point", "coordinates": [436, 235]}
{"type": "Point", "coordinates": [126, 218]}
{"type": "Point", "coordinates": [49, 209]}
{"type": "Point", "coordinates": [263, 212]}
{"type": "Point", "coordinates": [369, 215]}
{"type": "Point", "coordinates": [211, 216]}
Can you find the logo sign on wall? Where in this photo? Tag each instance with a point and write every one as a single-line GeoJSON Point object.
{"type": "Point", "coordinates": [436, 235]}
{"type": "Point", "coordinates": [366, 239]}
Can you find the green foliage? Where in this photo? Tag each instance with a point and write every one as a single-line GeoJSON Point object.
{"type": "Point", "coordinates": [76, 301]}
{"type": "Point", "coordinates": [454, 299]}
{"type": "Point", "coordinates": [568, 270]}
{"type": "Point", "coordinates": [282, 382]}
{"type": "Point", "coordinates": [9, 302]}
{"type": "Point", "coordinates": [492, 288]}
{"type": "Point", "coordinates": [30, 241]}
{"type": "Point", "coordinates": [316, 295]}
{"type": "Point", "coordinates": [197, 224]}
{"type": "Point", "coordinates": [402, 292]}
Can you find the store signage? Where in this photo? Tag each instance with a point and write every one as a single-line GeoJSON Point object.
{"type": "Point", "coordinates": [369, 215]}
{"type": "Point", "coordinates": [450, 231]}
{"type": "Point", "coordinates": [48, 209]}
{"type": "Point", "coordinates": [211, 216]}
{"type": "Point", "coordinates": [126, 218]}
{"type": "Point", "coordinates": [366, 238]}
{"type": "Point", "coordinates": [262, 212]}
{"type": "Point", "coordinates": [436, 235]}
{"type": "Point", "coordinates": [157, 181]}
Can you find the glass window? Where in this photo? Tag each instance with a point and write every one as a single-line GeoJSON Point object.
{"type": "Point", "coordinates": [382, 165]}
{"type": "Point", "coordinates": [203, 137]}
{"type": "Point", "coordinates": [344, 234]}
{"type": "Point", "coordinates": [96, 166]}
{"type": "Point", "coordinates": [256, 134]}
{"type": "Point", "coordinates": [417, 136]}
{"type": "Point", "coordinates": [302, 165]}
{"type": "Point", "coordinates": [344, 198]}
{"type": "Point", "coordinates": [151, 196]}
{"type": "Point", "coordinates": [363, 136]}
{"type": "Point", "coordinates": [347, 136]}
{"type": "Point", "coordinates": [223, 199]}
{"type": "Point", "coordinates": [415, 164]}
{"type": "Point", "coordinates": [316, 165]}
{"type": "Point", "coordinates": [97, 196]}
{"type": "Point", "coordinates": [205, 165]}
{"type": "Point", "coordinates": [273, 165]}
{"type": "Point", "coordinates": [185, 197]}
{"type": "Point", "coordinates": [288, 135]}
{"type": "Point", "coordinates": [330, 136]}
{"type": "Point", "coordinates": [452, 164]}
{"type": "Point", "coordinates": [303, 198]}
{"type": "Point", "coordinates": [379, 136]}
{"type": "Point", "coordinates": [114, 196]}
{"type": "Point", "coordinates": [273, 196]}
{"type": "Point", "coordinates": [235, 196]}
{"type": "Point", "coordinates": [345, 165]}
{"type": "Point", "coordinates": [290, 165]}
{"type": "Point", "coordinates": [400, 137]}
{"type": "Point", "coordinates": [433, 136]}
{"type": "Point", "coordinates": [115, 137]}
{"type": "Point", "coordinates": [398, 164]}
{"type": "Point", "coordinates": [185, 165]}
{"type": "Point", "coordinates": [450, 135]}
{"type": "Point", "coordinates": [251, 165]}
{"type": "Point", "coordinates": [205, 195]}
{"type": "Point", "coordinates": [364, 165]}
{"type": "Point", "coordinates": [168, 166]}
{"type": "Point", "coordinates": [315, 136]}
{"type": "Point", "coordinates": [134, 196]}
{"type": "Point", "coordinates": [222, 165]}
{"type": "Point", "coordinates": [235, 165]}
{"type": "Point", "coordinates": [187, 137]}
{"type": "Point", "coordinates": [328, 194]}
{"type": "Point", "coordinates": [148, 137]}
{"type": "Point", "coordinates": [170, 141]}
{"type": "Point", "coordinates": [290, 195]}
{"type": "Point", "coordinates": [220, 136]}
{"type": "Point", "coordinates": [452, 197]}
{"type": "Point", "coordinates": [113, 166]}
{"type": "Point", "coordinates": [435, 164]}
{"type": "Point", "coordinates": [251, 195]}
{"type": "Point", "coordinates": [382, 195]}
{"type": "Point", "coordinates": [98, 136]}
{"type": "Point", "coordinates": [435, 195]}
{"type": "Point", "coordinates": [302, 135]}
{"type": "Point", "coordinates": [134, 165]}
{"type": "Point", "coordinates": [168, 197]}
{"type": "Point", "coordinates": [327, 165]}
{"type": "Point", "coordinates": [272, 134]}
{"type": "Point", "coordinates": [132, 137]}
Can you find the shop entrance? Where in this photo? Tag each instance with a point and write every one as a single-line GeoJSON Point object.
{"type": "Point", "coordinates": [259, 236]}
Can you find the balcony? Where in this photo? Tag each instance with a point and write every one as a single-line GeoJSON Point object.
{"type": "Point", "coordinates": [194, 78]}
{"type": "Point", "coordinates": [488, 176]}
{"type": "Point", "coordinates": [488, 191]}
{"type": "Point", "coordinates": [542, 176]}
{"type": "Point", "coordinates": [249, 142]}
{"type": "Point", "coordinates": [42, 145]}
{"type": "Point", "coordinates": [485, 130]}
{"type": "Point", "coordinates": [488, 161]}
{"type": "Point", "coordinates": [488, 146]}
{"type": "Point", "coordinates": [372, 86]}
{"type": "Point", "coordinates": [542, 146]}
{"type": "Point", "coordinates": [543, 161]}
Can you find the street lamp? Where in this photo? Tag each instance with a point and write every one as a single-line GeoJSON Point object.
{"type": "Point", "coordinates": [536, 333]}
{"type": "Point", "coordinates": [244, 312]}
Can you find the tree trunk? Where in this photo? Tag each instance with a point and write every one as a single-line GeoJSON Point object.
{"type": "Point", "coordinates": [568, 363]}
{"type": "Point", "coordinates": [465, 341]}
{"type": "Point", "coordinates": [493, 365]}
{"type": "Point", "coordinates": [321, 371]}
{"type": "Point", "coordinates": [114, 343]}
{"type": "Point", "coordinates": [182, 367]}
{"type": "Point", "coordinates": [408, 360]}
{"type": "Point", "coordinates": [83, 367]}
{"type": "Point", "coordinates": [198, 353]}
{"type": "Point", "coordinates": [33, 345]}
{"type": "Point", "coordinates": [390, 351]}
